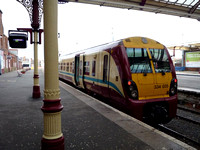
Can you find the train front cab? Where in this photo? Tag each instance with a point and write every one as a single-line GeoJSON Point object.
{"type": "Point", "coordinates": [152, 89]}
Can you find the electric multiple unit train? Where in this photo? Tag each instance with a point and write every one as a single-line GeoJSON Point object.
{"type": "Point", "coordinates": [135, 73]}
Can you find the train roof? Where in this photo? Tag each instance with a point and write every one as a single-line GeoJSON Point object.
{"type": "Point", "coordinates": [93, 49]}
{"type": "Point", "coordinates": [137, 42]}
{"type": "Point", "coordinates": [142, 42]}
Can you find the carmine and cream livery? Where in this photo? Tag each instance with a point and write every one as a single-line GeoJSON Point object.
{"type": "Point", "coordinates": [136, 73]}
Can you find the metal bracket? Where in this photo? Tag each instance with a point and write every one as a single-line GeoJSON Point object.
{"type": "Point", "coordinates": [30, 30]}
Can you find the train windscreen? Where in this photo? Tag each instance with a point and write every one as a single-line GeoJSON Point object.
{"type": "Point", "coordinates": [160, 60]}
{"type": "Point", "coordinates": [139, 60]}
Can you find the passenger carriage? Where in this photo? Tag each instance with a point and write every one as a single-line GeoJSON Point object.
{"type": "Point", "coordinates": [136, 73]}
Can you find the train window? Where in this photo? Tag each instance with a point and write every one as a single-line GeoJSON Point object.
{"type": "Point", "coordinates": [160, 60]}
{"type": "Point", "coordinates": [87, 68]}
{"type": "Point", "coordinates": [67, 67]}
{"type": "Point", "coordinates": [70, 67]}
{"type": "Point", "coordinates": [93, 67]}
{"type": "Point", "coordinates": [105, 68]}
{"type": "Point", "coordinates": [80, 68]}
{"type": "Point", "coordinates": [61, 66]}
{"type": "Point", "coordinates": [139, 60]}
{"type": "Point", "coordinates": [73, 67]}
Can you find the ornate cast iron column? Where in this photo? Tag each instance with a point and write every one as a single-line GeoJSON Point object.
{"type": "Point", "coordinates": [36, 86]}
{"type": "Point", "coordinates": [52, 138]}
{"type": "Point", "coordinates": [35, 10]}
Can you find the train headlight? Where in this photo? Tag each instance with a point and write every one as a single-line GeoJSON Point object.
{"type": "Point", "coordinates": [173, 87]}
{"type": "Point", "coordinates": [132, 89]}
{"type": "Point", "coordinates": [134, 94]}
{"type": "Point", "coordinates": [172, 90]}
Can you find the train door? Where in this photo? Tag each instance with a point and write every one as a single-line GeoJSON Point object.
{"type": "Point", "coordinates": [81, 70]}
{"type": "Point", "coordinates": [76, 74]}
{"type": "Point", "coordinates": [106, 72]}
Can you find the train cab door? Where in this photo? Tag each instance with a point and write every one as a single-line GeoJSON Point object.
{"type": "Point", "coordinates": [106, 73]}
{"type": "Point", "coordinates": [81, 70]}
{"type": "Point", "coordinates": [76, 74]}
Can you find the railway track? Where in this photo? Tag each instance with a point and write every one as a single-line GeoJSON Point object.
{"type": "Point", "coordinates": [187, 119]}
{"type": "Point", "coordinates": [188, 115]}
{"type": "Point", "coordinates": [178, 135]}
{"type": "Point", "coordinates": [184, 127]}
{"type": "Point", "coordinates": [189, 110]}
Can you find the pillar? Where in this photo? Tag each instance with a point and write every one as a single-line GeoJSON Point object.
{"type": "Point", "coordinates": [36, 86]}
{"type": "Point", "coordinates": [53, 138]}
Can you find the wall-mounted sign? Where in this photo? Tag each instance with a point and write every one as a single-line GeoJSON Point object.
{"type": "Point", "coordinates": [192, 59]}
{"type": "Point", "coordinates": [17, 39]}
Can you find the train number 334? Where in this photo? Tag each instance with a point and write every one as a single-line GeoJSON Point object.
{"type": "Point", "coordinates": [161, 86]}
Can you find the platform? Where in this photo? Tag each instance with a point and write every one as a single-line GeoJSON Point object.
{"type": "Point", "coordinates": [188, 89]}
{"type": "Point", "coordinates": [86, 122]}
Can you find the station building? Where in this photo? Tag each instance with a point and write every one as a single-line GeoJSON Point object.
{"type": "Point", "coordinates": [8, 57]}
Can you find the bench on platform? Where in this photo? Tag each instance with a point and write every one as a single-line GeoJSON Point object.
{"type": "Point", "coordinates": [19, 74]}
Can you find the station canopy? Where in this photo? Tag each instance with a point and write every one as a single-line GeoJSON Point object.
{"type": "Point", "coordinates": [189, 47]}
{"type": "Point", "coordinates": [182, 8]}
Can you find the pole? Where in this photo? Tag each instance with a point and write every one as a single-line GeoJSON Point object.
{"type": "Point", "coordinates": [35, 26]}
{"type": "Point", "coordinates": [36, 86]}
{"type": "Point", "coordinates": [52, 137]}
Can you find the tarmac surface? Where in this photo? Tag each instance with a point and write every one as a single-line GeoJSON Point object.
{"type": "Point", "coordinates": [86, 122]}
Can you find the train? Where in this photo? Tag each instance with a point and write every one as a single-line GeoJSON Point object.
{"type": "Point", "coordinates": [136, 74]}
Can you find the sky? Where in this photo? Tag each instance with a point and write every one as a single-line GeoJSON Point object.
{"type": "Point", "coordinates": [82, 26]}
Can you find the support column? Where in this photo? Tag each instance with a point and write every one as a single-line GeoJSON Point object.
{"type": "Point", "coordinates": [53, 138]}
{"type": "Point", "coordinates": [36, 86]}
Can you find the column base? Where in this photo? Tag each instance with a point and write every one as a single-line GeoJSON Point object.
{"type": "Point", "coordinates": [36, 92]}
{"type": "Point", "coordinates": [55, 144]}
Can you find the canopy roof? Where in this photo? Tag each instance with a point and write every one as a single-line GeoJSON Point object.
{"type": "Point", "coordinates": [191, 47]}
{"type": "Point", "coordinates": [182, 8]}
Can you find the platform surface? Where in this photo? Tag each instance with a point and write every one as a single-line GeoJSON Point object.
{"type": "Point", "coordinates": [86, 123]}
